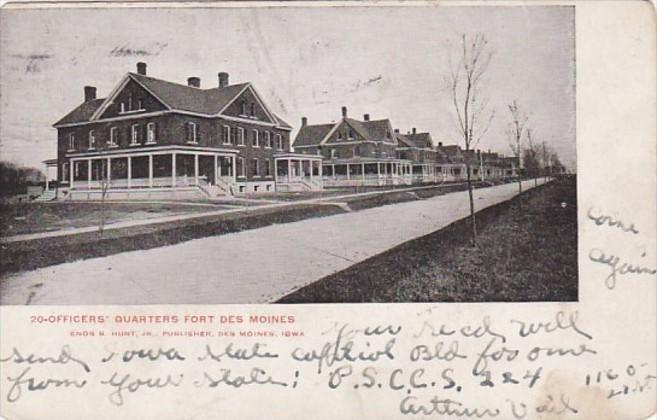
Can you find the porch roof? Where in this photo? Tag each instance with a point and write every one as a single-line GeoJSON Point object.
{"type": "Point", "coordinates": [141, 151]}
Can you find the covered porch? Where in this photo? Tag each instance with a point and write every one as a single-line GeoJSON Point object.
{"type": "Point", "coordinates": [166, 168]}
{"type": "Point", "coordinates": [298, 172]}
{"type": "Point", "coordinates": [373, 172]}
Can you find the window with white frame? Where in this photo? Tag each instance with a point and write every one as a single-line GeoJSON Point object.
{"type": "Point", "coordinates": [225, 133]}
{"type": "Point", "coordinates": [255, 168]}
{"type": "Point", "coordinates": [351, 134]}
{"type": "Point", "coordinates": [71, 141]}
{"type": "Point", "coordinates": [151, 133]}
{"type": "Point", "coordinates": [253, 109]}
{"type": "Point", "coordinates": [233, 136]}
{"type": "Point", "coordinates": [134, 134]}
{"type": "Point", "coordinates": [92, 139]}
{"type": "Point", "coordinates": [192, 133]}
{"type": "Point", "coordinates": [122, 107]}
{"type": "Point", "coordinates": [279, 142]}
{"type": "Point", "coordinates": [240, 136]}
{"type": "Point", "coordinates": [333, 154]}
{"type": "Point", "coordinates": [130, 102]}
{"type": "Point", "coordinates": [241, 170]}
{"type": "Point", "coordinates": [64, 171]}
{"type": "Point", "coordinates": [113, 137]}
{"type": "Point", "coordinates": [255, 141]}
{"type": "Point", "coordinates": [267, 167]}
{"type": "Point", "coordinates": [268, 139]}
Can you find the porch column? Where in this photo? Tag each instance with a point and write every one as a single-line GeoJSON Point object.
{"type": "Point", "coordinates": [71, 173]}
{"type": "Point", "coordinates": [362, 171]}
{"type": "Point", "coordinates": [89, 173]}
{"type": "Point", "coordinates": [311, 167]}
{"type": "Point", "coordinates": [348, 172]}
{"type": "Point", "coordinates": [129, 171]}
{"type": "Point", "coordinates": [234, 168]}
{"type": "Point", "coordinates": [276, 171]}
{"type": "Point", "coordinates": [289, 170]}
{"type": "Point", "coordinates": [47, 185]}
{"type": "Point", "coordinates": [173, 169]}
{"type": "Point", "coordinates": [320, 170]}
{"type": "Point", "coordinates": [196, 168]}
{"type": "Point", "coordinates": [150, 171]}
{"type": "Point", "coordinates": [109, 171]}
{"type": "Point", "coordinates": [378, 169]}
{"type": "Point", "coordinates": [217, 171]}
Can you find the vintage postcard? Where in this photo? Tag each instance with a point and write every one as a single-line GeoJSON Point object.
{"type": "Point", "coordinates": [328, 210]}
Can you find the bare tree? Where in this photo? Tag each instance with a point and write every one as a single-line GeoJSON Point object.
{"type": "Point", "coordinates": [515, 132]}
{"type": "Point", "coordinates": [473, 119]}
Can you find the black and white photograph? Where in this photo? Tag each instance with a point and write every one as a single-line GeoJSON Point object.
{"type": "Point", "coordinates": [288, 154]}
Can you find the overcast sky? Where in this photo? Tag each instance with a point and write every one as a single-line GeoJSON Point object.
{"type": "Point", "coordinates": [389, 62]}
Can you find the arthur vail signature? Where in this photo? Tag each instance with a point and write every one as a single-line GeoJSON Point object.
{"type": "Point", "coordinates": [617, 266]}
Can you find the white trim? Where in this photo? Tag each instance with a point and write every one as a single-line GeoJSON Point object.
{"type": "Point", "coordinates": [121, 118]}
{"type": "Point", "coordinates": [144, 151]}
{"type": "Point", "coordinates": [110, 98]}
{"type": "Point", "coordinates": [330, 133]}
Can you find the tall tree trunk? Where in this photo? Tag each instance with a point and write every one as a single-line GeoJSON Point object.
{"type": "Point", "coordinates": [473, 221]}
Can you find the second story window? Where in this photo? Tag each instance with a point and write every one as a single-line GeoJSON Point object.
{"type": "Point", "coordinates": [92, 140]}
{"type": "Point", "coordinates": [233, 136]}
{"type": "Point", "coordinates": [113, 138]}
{"type": "Point", "coordinates": [192, 133]}
{"type": "Point", "coordinates": [71, 141]}
{"type": "Point", "coordinates": [268, 139]}
{"type": "Point", "coordinates": [150, 133]}
{"type": "Point", "coordinates": [255, 141]}
{"type": "Point", "coordinates": [134, 134]}
{"type": "Point", "coordinates": [225, 133]}
{"type": "Point", "coordinates": [240, 136]}
{"type": "Point", "coordinates": [279, 142]}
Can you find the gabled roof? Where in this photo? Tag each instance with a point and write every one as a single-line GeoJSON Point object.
{"type": "Point", "coordinates": [418, 140]}
{"type": "Point", "coordinates": [82, 113]}
{"type": "Point", "coordinates": [174, 96]}
{"type": "Point", "coordinates": [186, 98]}
{"type": "Point", "coordinates": [313, 135]}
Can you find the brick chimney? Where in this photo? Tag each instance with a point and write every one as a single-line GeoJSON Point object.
{"type": "Point", "coordinates": [223, 79]}
{"type": "Point", "coordinates": [89, 93]}
{"type": "Point", "coordinates": [397, 130]}
{"type": "Point", "coordinates": [304, 121]}
{"type": "Point", "coordinates": [194, 82]}
{"type": "Point", "coordinates": [366, 117]}
{"type": "Point", "coordinates": [141, 68]}
{"type": "Point", "coordinates": [344, 112]}
{"type": "Point", "coordinates": [414, 131]}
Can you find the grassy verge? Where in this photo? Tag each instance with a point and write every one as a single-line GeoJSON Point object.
{"type": "Point", "coordinates": [521, 256]}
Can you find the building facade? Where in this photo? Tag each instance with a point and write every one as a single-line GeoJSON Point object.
{"type": "Point", "coordinates": [150, 137]}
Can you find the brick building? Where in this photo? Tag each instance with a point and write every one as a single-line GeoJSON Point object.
{"type": "Point", "coordinates": [150, 137]}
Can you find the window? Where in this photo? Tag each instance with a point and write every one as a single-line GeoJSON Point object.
{"type": "Point", "coordinates": [351, 134]}
{"type": "Point", "coordinates": [255, 169]}
{"type": "Point", "coordinates": [192, 132]}
{"type": "Point", "coordinates": [243, 108]}
{"type": "Point", "coordinates": [279, 142]}
{"type": "Point", "coordinates": [134, 137]}
{"type": "Point", "coordinates": [140, 104]}
{"type": "Point", "coordinates": [113, 140]}
{"type": "Point", "coordinates": [233, 136]}
{"type": "Point", "coordinates": [253, 110]}
{"type": "Point", "coordinates": [267, 167]}
{"type": "Point", "coordinates": [71, 141]}
{"type": "Point", "coordinates": [255, 141]}
{"type": "Point", "coordinates": [240, 167]}
{"type": "Point", "coordinates": [226, 134]}
{"type": "Point", "coordinates": [333, 154]}
{"type": "Point", "coordinates": [76, 169]}
{"type": "Point", "coordinates": [130, 102]}
{"type": "Point", "coordinates": [268, 139]}
{"type": "Point", "coordinates": [64, 171]}
{"type": "Point", "coordinates": [122, 108]}
{"type": "Point", "coordinates": [240, 136]}
{"type": "Point", "coordinates": [339, 135]}
{"type": "Point", "coordinates": [92, 139]}
{"type": "Point", "coordinates": [357, 151]}
{"type": "Point", "coordinates": [150, 132]}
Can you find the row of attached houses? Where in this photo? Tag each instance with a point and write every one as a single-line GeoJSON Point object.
{"type": "Point", "coordinates": [149, 138]}
{"type": "Point", "coordinates": [371, 152]}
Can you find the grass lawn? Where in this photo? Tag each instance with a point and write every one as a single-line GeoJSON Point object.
{"type": "Point", "coordinates": [16, 219]}
{"type": "Point", "coordinates": [521, 256]}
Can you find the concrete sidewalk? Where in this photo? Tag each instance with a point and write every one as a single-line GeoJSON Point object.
{"type": "Point", "coordinates": [253, 266]}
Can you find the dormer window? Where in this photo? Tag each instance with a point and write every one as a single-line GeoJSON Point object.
{"type": "Point", "coordinates": [243, 110]}
{"type": "Point", "coordinates": [92, 140]}
{"type": "Point", "coordinates": [71, 141]}
{"type": "Point", "coordinates": [253, 109]}
{"type": "Point", "coordinates": [192, 133]}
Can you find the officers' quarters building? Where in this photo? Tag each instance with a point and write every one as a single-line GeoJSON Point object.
{"type": "Point", "coordinates": [154, 138]}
